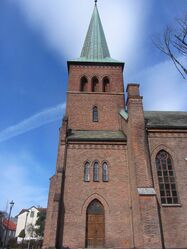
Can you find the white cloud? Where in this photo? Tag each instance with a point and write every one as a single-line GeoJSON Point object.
{"type": "Point", "coordinates": [163, 88]}
{"type": "Point", "coordinates": [19, 183]}
{"type": "Point", "coordinates": [44, 117]}
{"type": "Point", "coordinates": [64, 24]}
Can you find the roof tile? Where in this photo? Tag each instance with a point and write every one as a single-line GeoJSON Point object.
{"type": "Point", "coordinates": [97, 135]}
{"type": "Point", "coordinates": [167, 120]}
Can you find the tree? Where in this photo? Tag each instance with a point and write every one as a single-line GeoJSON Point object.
{"type": "Point", "coordinates": [22, 234]}
{"type": "Point", "coordinates": [40, 223]}
{"type": "Point", "coordinates": [2, 215]}
{"type": "Point", "coordinates": [174, 44]}
{"type": "Point", "coordinates": [30, 230]}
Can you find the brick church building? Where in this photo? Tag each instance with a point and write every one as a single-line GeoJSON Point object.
{"type": "Point", "coordinates": [121, 173]}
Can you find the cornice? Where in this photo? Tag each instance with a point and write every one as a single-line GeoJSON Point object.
{"type": "Point", "coordinates": [95, 93]}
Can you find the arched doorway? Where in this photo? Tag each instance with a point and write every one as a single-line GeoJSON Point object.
{"type": "Point", "coordinates": [95, 225]}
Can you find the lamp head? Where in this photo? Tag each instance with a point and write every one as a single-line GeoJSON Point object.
{"type": "Point", "coordinates": [11, 204]}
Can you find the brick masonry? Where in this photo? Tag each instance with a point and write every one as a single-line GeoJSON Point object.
{"type": "Point", "coordinates": [174, 218]}
{"type": "Point", "coordinates": [131, 220]}
{"type": "Point", "coordinates": [80, 104]}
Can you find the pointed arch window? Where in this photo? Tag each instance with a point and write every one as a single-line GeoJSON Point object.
{"type": "Point", "coordinates": [95, 207]}
{"type": "Point", "coordinates": [84, 84]}
{"type": "Point", "coordinates": [105, 172]}
{"type": "Point", "coordinates": [87, 172]}
{"type": "Point", "coordinates": [166, 178]}
{"type": "Point", "coordinates": [95, 114]}
{"type": "Point", "coordinates": [96, 171]}
{"type": "Point", "coordinates": [95, 84]}
{"type": "Point", "coordinates": [106, 84]}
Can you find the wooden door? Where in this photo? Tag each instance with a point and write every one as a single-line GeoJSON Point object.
{"type": "Point", "coordinates": [95, 225]}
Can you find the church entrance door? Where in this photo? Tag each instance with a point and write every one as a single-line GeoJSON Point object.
{"type": "Point", "coordinates": [95, 225]}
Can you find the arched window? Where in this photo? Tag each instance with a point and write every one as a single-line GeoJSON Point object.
{"type": "Point", "coordinates": [95, 84]}
{"type": "Point", "coordinates": [96, 171]}
{"type": "Point", "coordinates": [95, 207]}
{"type": "Point", "coordinates": [87, 172]}
{"type": "Point", "coordinates": [105, 172]}
{"type": "Point", "coordinates": [84, 84]}
{"type": "Point", "coordinates": [106, 84]}
{"type": "Point", "coordinates": [95, 114]}
{"type": "Point", "coordinates": [166, 178]}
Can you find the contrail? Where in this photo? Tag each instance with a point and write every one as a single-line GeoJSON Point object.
{"type": "Point", "coordinates": [44, 117]}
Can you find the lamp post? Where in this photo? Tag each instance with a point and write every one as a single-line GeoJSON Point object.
{"type": "Point", "coordinates": [7, 228]}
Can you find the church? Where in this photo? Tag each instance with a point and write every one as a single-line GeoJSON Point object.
{"type": "Point", "coordinates": [121, 172]}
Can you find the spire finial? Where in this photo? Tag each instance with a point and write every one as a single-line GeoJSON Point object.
{"type": "Point", "coordinates": [95, 2]}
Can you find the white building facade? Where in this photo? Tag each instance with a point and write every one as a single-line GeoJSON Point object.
{"type": "Point", "coordinates": [27, 221]}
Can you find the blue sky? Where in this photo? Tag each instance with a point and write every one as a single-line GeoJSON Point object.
{"type": "Point", "coordinates": [36, 40]}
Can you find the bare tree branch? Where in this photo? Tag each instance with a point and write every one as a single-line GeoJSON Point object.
{"type": "Point", "coordinates": [174, 43]}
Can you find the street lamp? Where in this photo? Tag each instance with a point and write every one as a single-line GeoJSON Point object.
{"type": "Point", "coordinates": [6, 231]}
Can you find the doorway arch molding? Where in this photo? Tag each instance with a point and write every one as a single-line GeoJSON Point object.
{"type": "Point", "coordinates": [97, 197]}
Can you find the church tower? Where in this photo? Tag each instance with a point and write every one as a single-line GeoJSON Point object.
{"type": "Point", "coordinates": [102, 194]}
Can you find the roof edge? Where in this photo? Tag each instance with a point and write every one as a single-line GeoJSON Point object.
{"type": "Point", "coordinates": [166, 127]}
{"type": "Point", "coordinates": [99, 139]}
{"type": "Point", "coordinates": [75, 62]}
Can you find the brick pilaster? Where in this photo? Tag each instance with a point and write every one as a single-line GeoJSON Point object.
{"type": "Point", "coordinates": [145, 216]}
{"type": "Point", "coordinates": [54, 217]}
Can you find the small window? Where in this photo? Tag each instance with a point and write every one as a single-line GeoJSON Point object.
{"type": "Point", "coordinates": [87, 172]}
{"type": "Point", "coordinates": [166, 178]}
{"type": "Point", "coordinates": [95, 114]}
{"type": "Point", "coordinates": [84, 84]}
{"type": "Point", "coordinates": [95, 84]}
{"type": "Point", "coordinates": [105, 172]}
{"type": "Point", "coordinates": [106, 84]}
{"type": "Point", "coordinates": [96, 172]}
{"type": "Point", "coordinates": [32, 214]}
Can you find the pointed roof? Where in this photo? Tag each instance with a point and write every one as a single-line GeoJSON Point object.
{"type": "Point", "coordinates": [95, 47]}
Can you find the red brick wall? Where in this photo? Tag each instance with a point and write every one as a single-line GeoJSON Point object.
{"type": "Point", "coordinates": [80, 104]}
{"type": "Point", "coordinates": [174, 218]}
{"type": "Point", "coordinates": [131, 220]}
{"type": "Point", "coordinates": [114, 73]}
{"type": "Point", "coordinates": [114, 195]}
{"type": "Point", "coordinates": [145, 214]}
{"type": "Point", "coordinates": [55, 192]}
{"type": "Point", "coordinates": [51, 224]}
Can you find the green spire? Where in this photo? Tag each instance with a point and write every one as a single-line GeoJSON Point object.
{"type": "Point", "coordinates": [95, 47]}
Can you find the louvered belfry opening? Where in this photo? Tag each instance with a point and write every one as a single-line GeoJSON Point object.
{"type": "Point", "coordinates": [84, 84]}
{"type": "Point", "coordinates": [106, 85]}
{"type": "Point", "coordinates": [95, 84]}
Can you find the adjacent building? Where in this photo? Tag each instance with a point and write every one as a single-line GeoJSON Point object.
{"type": "Point", "coordinates": [26, 221]}
{"type": "Point", "coordinates": [7, 230]}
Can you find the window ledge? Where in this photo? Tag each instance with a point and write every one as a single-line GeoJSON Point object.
{"type": "Point", "coordinates": [171, 205]}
